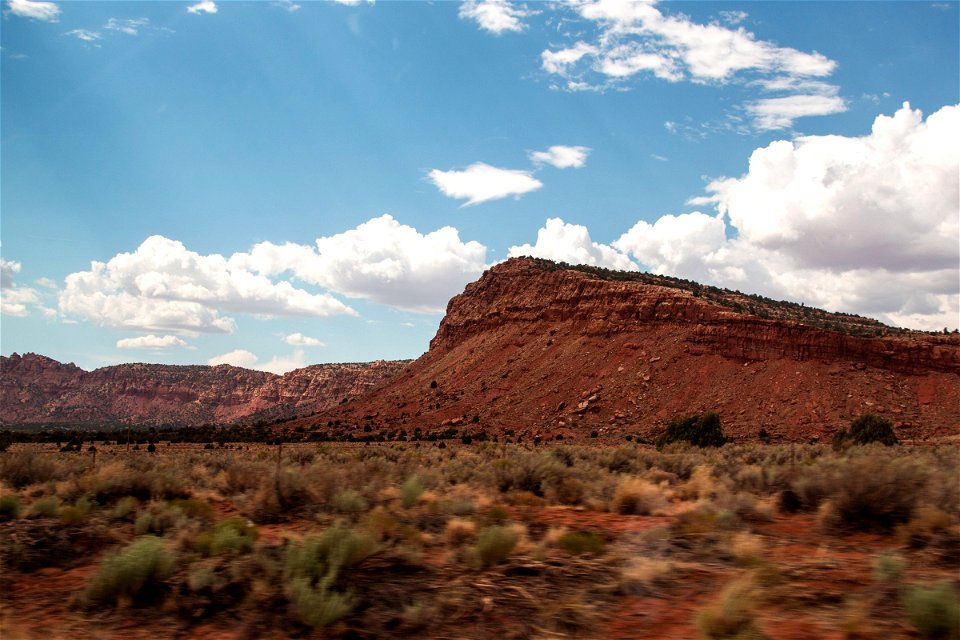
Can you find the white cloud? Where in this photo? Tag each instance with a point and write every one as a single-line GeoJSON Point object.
{"type": "Point", "coordinates": [163, 286]}
{"type": "Point", "coordinates": [864, 224]}
{"type": "Point", "coordinates": [8, 271]}
{"type": "Point", "coordinates": [390, 263]}
{"type": "Point", "coordinates": [353, 3]}
{"type": "Point", "coordinates": [481, 183]}
{"type": "Point", "coordinates": [130, 27]}
{"type": "Point", "coordinates": [248, 360]}
{"type": "Point", "coordinates": [45, 11]}
{"type": "Point", "coordinates": [204, 6]}
{"type": "Point", "coordinates": [14, 300]}
{"type": "Point", "coordinates": [562, 60]}
{"type": "Point", "coordinates": [286, 5]}
{"type": "Point", "coordinates": [733, 17]}
{"type": "Point", "coordinates": [571, 243]}
{"type": "Point", "coordinates": [561, 157]}
{"type": "Point", "coordinates": [495, 16]}
{"type": "Point", "coordinates": [151, 342]}
{"type": "Point", "coordinates": [300, 340]}
{"type": "Point", "coordinates": [636, 40]}
{"type": "Point", "coordinates": [779, 113]}
{"type": "Point", "coordinates": [236, 358]}
{"type": "Point", "coordinates": [84, 34]}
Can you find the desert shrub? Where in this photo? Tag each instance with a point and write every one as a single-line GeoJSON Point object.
{"type": "Point", "coordinates": [336, 548]}
{"type": "Point", "coordinates": [125, 509]}
{"type": "Point", "coordinates": [528, 472]}
{"type": "Point", "coordinates": [459, 530]}
{"type": "Point", "coordinates": [410, 491]}
{"type": "Point", "coordinates": [240, 476]}
{"type": "Point", "coordinates": [581, 542]}
{"type": "Point", "coordinates": [311, 568]}
{"type": "Point", "coordinates": [158, 520]}
{"type": "Point", "coordinates": [888, 568]}
{"type": "Point", "coordinates": [24, 468]}
{"type": "Point", "coordinates": [349, 501]}
{"type": "Point", "coordinates": [731, 616]}
{"type": "Point", "coordinates": [495, 543]}
{"type": "Point", "coordinates": [135, 573]}
{"type": "Point", "coordinates": [934, 610]}
{"type": "Point", "coordinates": [194, 509]}
{"type": "Point", "coordinates": [866, 429]}
{"type": "Point", "coordinates": [44, 508]}
{"type": "Point", "coordinates": [873, 493]}
{"type": "Point", "coordinates": [927, 523]}
{"type": "Point", "coordinates": [74, 514]}
{"type": "Point", "coordinates": [702, 430]}
{"type": "Point", "coordinates": [9, 507]}
{"type": "Point", "coordinates": [635, 496]}
{"type": "Point", "coordinates": [318, 605]}
{"type": "Point", "coordinates": [232, 536]}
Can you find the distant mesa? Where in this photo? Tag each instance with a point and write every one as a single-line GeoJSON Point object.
{"type": "Point", "coordinates": [36, 390]}
{"type": "Point", "coordinates": [541, 349]}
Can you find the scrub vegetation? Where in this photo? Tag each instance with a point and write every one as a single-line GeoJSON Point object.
{"type": "Point", "coordinates": [404, 539]}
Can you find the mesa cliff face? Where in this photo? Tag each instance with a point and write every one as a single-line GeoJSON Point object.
{"type": "Point", "coordinates": [535, 347]}
{"type": "Point", "coordinates": [35, 389]}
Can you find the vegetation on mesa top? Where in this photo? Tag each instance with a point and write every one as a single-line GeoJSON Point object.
{"type": "Point", "coordinates": [745, 303]}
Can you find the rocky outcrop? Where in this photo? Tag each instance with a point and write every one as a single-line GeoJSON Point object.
{"type": "Point", "coordinates": [35, 389]}
{"type": "Point", "coordinates": [536, 347]}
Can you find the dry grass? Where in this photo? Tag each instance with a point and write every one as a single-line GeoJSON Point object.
{"type": "Point", "coordinates": [390, 540]}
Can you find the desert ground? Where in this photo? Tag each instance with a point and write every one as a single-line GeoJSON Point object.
{"type": "Point", "coordinates": [600, 539]}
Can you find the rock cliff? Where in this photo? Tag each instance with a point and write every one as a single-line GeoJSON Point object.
{"type": "Point", "coordinates": [35, 389]}
{"type": "Point", "coordinates": [540, 348]}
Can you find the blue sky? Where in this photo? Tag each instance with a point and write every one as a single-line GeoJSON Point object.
{"type": "Point", "coordinates": [274, 184]}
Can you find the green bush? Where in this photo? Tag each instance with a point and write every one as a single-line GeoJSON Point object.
{"type": "Point", "coordinates": [9, 507]}
{"type": "Point", "coordinates": [494, 544]}
{"type": "Point", "coordinates": [702, 430]}
{"type": "Point", "coordinates": [318, 606]}
{"type": "Point", "coordinates": [581, 542]}
{"type": "Point", "coordinates": [349, 501]}
{"type": "Point", "coordinates": [410, 491]}
{"type": "Point", "coordinates": [135, 573]}
{"type": "Point", "coordinates": [319, 556]}
{"type": "Point", "coordinates": [311, 568]}
{"type": "Point", "coordinates": [866, 429]}
{"type": "Point", "coordinates": [231, 536]}
{"type": "Point", "coordinates": [44, 508]}
{"type": "Point", "coordinates": [934, 611]}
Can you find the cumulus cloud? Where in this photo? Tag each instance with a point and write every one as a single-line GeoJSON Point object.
{"type": "Point", "coordinates": [236, 358]}
{"type": "Point", "coordinates": [164, 286]}
{"type": "Point", "coordinates": [248, 360]}
{"type": "Point", "coordinates": [300, 340]}
{"type": "Point", "coordinates": [152, 342]}
{"type": "Point", "coordinates": [45, 11]}
{"type": "Point", "coordinates": [204, 6]}
{"type": "Point", "coordinates": [481, 182]}
{"type": "Point", "coordinates": [864, 224]}
{"type": "Point", "coordinates": [15, 300]}
{"type": "Point", "coordinates": [571, 243]}
{"type": "Point", "coordinates": [561, 157]}
{"type": "Point", "coordinates": [495, 16]}
{"type": "Point", "coordinates": [380, 260]}
{"type": "Point", "coordinates": [636, 40]}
